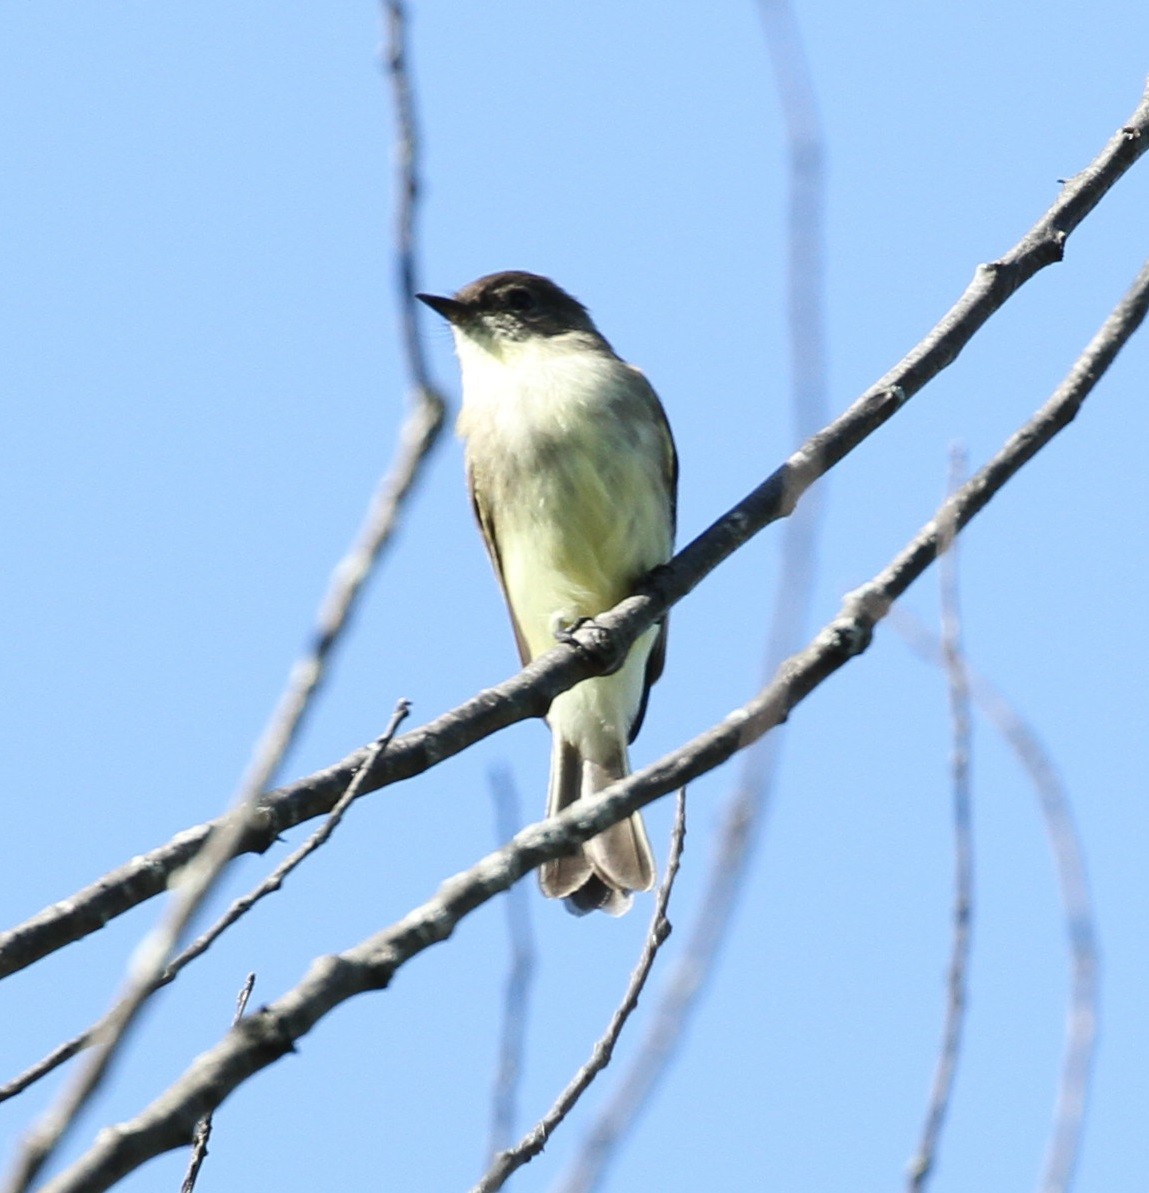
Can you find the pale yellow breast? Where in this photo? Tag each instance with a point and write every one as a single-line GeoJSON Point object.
{"type": "Point", "coordinates": [574, 475]}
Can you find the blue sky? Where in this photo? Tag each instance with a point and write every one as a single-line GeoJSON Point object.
{"type": "Point", "coordinates": [203, 380]}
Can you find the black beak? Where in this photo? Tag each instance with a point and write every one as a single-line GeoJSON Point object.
{"type": "Point", "coordinates": [450, 308]}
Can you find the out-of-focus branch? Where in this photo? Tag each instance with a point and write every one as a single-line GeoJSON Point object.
{"type": "Point", "coordinates": [262, 1038]}
{"type": "Point", "coordinates": [509, 1161]}
{"type": "Point", "coordinates": [203, 1127]}
{"type": "Point", "coordinates": [1081, 934]}
{"type": "Point", "coordinates": [520, 974]}
{"type": "Point", "coordinates": [809, 405]}
{"type": "Point", "coordinates": [953, 662]}
{"type": "Point", "coordinates": [598, 647]}
{"type": "Point", "coordinates": [239, 908]}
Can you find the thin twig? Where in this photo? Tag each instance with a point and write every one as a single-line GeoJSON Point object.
{"type": "Point", "coordinates": [595, 649]}
{"type": "Point", "coordinates": [953, 660]}
{"type": "Point", "coordinates": [520, 975]}
{"type": "Point", "coordinates": [262, 1038]}
{"type": "Point", "coordinates": [536, 1139]}
{"type": "Point", "coordinates": [238, 908]}
{"type": "Point", "coordinates": [407, 146]}
{"type": "Point", "coordinates": [203, 1127]}
{"type": "Point", "coordinates": [743, 815]}
{"type": "Point", "coordinates": [1081, 934]}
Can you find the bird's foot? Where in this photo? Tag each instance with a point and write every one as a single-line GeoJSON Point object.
{"type": "Point", "coordinates": [564, 627]}
{"type": "Point", "coordinates": [601, 646]}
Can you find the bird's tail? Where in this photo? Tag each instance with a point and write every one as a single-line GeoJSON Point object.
{"type": "Point", "coordinates": [603, 872]}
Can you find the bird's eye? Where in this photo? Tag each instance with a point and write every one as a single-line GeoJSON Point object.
{"type": "Point", "coordinates": [519, 298]}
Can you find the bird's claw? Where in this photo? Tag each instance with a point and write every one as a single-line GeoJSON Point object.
{"type": "Point", "coordinates": [564, 629]}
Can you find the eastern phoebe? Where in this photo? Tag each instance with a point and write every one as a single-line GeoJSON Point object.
{"type": "Point", "coordinates": [573, 475]}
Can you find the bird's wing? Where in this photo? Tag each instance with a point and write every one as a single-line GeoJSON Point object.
{"type": "Point", "coordinates": [485, 516]}
{"type": "Point", "coordinates": [656, 660]}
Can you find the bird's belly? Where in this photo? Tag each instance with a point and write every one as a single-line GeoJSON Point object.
{"type": "Point", "coordinates": [580, 524]}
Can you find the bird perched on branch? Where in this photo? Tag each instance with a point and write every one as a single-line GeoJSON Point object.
{"type": "Point", "coordinates": [573, 475]}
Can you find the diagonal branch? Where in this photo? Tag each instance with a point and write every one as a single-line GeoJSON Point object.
{"type": "Point", "coordinates": [262, 1038]}
{"type": "Point", "coordinates": [598, 647]}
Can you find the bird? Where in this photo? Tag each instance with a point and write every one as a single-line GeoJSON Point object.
{"type": "Point", "coordinates": [573, 475]}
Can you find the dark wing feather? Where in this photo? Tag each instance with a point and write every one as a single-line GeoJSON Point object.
{"type": "Point", "coordinates": [656, 660]}
{"type": "Point", "coordinates": [484, 515]}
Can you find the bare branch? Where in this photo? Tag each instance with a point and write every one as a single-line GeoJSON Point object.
{"type": "Point", "coordinates": [262, 1038]}
{"type": "Point", "coordinates": [203, 1127]}
{"type": "Point", "coordinates": [953, 660]}
{"type": "Point", "coordinates": [58, 1056]}
{"type": "Point", "coordinates": [536, 1139]}
{"type": "Point", "coordinates": [597, 647]}
{"type": "Point", "coordinates": [519, 976]}
{"type": "Point", "coordinates": [239, 908]}
{"type": "Point", "coordinates": [1081, 934]}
